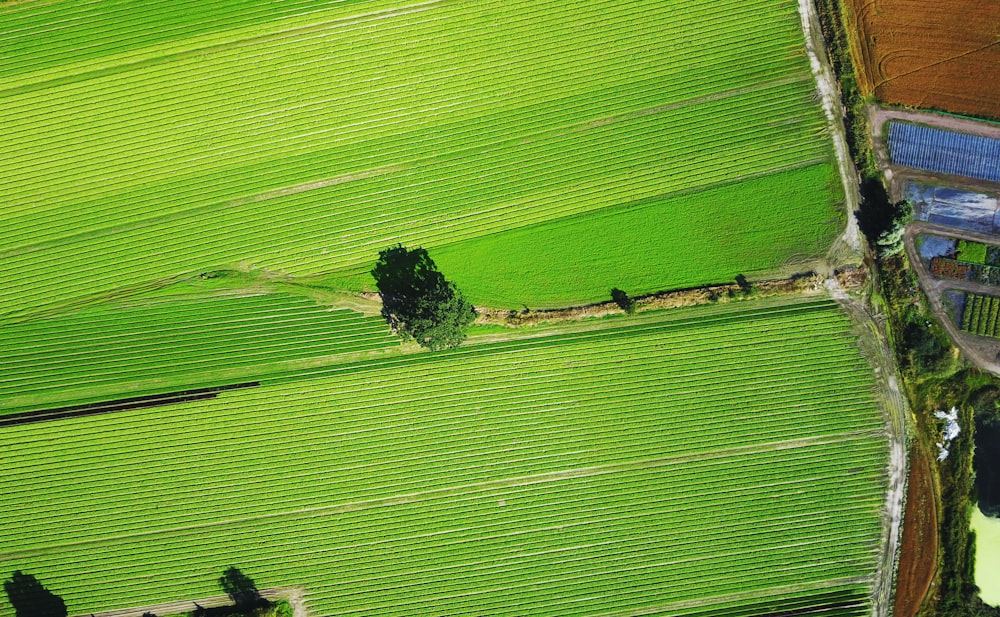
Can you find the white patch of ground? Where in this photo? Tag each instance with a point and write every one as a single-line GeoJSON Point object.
{"type": "Point", "coordinates": [950, 432]}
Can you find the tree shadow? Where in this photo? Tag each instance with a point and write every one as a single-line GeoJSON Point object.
{"type": "Point", "coordinates": [243, 592]}
{"type": "Point", "coordinates": [31, 599]}
{"type": "Point", "coordinates": [875, 213]}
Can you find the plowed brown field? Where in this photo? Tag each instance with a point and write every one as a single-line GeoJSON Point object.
{"type": "Point", "coordinates": [942, 54]}
{"type": "Point", "coordinates": [918, 555]}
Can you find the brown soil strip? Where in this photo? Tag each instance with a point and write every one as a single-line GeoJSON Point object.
{"type": "Point", "coordinates": [918, 556]}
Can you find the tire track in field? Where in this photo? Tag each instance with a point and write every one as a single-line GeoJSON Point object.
{"type": "Point", "coordinates": [191, 212]}
{"type": "Point", "coordinates": [894, 53]}
{"type": "Point", "coordinates": [698, 100]}
{"type": "Point", "coordinates": [419, 496]}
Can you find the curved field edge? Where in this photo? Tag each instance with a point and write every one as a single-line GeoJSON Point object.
{"type": "Point", "coordinates": [569, 474]}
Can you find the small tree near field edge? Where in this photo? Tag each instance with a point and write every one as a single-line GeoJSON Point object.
{"type": "Point", "coordinates": [417, 301]}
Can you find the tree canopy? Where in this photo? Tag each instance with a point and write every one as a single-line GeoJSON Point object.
{"type": "Point", "coordinates": [417, 301]}
{"type": "Point", "coordinates": [30, 599]}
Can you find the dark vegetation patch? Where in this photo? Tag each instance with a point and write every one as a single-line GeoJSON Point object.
{"type": "Point", "coordinates": [986, 406]}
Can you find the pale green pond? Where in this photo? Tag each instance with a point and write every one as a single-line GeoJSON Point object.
{"type": "Point", "coordinates": [987, 556]}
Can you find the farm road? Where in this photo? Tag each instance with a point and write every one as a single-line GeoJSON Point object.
{"type": "Point", "coordinates": [934, 288]}
{"type": "Point", "coordinates": [875, 346]}
{"type": "Point", "coordinates": [826, 83]}
{"type": "Point", "coordinates": [292, 594]}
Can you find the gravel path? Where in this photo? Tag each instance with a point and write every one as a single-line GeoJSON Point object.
{"type": "Point", "coordinates": [879, 115]}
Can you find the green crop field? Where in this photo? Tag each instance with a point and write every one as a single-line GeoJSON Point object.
{"type": "Point", "coordinates": [725, 460]}
{"type": "Point", "coordinates": [192, 195]}
{"type": "Point", "coordinates": [160, 345]}
{"type": "Point", "coordinates": [981, 315]}
{"type": "Point", "coordinates": [161, 141]}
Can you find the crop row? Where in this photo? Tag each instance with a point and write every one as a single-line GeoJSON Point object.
{"type": "Point", "coordinates": [226, 333]}
{"type": "Point", "coordinates": [36, 38]}
{"type": "Point", "coordinates": [981, 315]}
{"type": "Point", "coordinates": [348, 562]}
{"type": "Point", "coordinates": [144, 121]}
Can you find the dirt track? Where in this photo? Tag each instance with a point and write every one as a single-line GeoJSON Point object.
{"type": "Point", "coordinates": [874, 343]}
{"type": "Point", "coordinates": [826, 83]}
{"type": "Point", "coordinates": [878, 116]}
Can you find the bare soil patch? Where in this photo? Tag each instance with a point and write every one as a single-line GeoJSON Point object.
{"type": "Point", "coordinates": [938, 55]}
{"type": "Point", "coordinates": [918, 555]}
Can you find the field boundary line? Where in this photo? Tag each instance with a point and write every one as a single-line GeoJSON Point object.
{"type": "Point", "coordinates": [518, 481]}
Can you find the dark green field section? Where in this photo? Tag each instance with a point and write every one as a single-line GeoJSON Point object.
{"type": "Point", "coordinates": [728, 460]}
{"type": "Point", "coordinates": [159, 346]}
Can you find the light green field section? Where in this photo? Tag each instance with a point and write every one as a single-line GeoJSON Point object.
{"type": "Point", "coordinates": [305, 143]}
{"type": "Point", "coordinates": [155, 346]}
{"type": "Point", "coordinates": [720, 461]}
{"type": "Point", "coordinates": [646, 243]}
{"type": "Point", "coordinates": [987, 556]}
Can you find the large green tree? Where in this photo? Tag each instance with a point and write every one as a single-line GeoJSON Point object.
{"type": "Point", "coordinates": [418, 302]}
{"type": "Point", "coordinates": [30, 599]}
